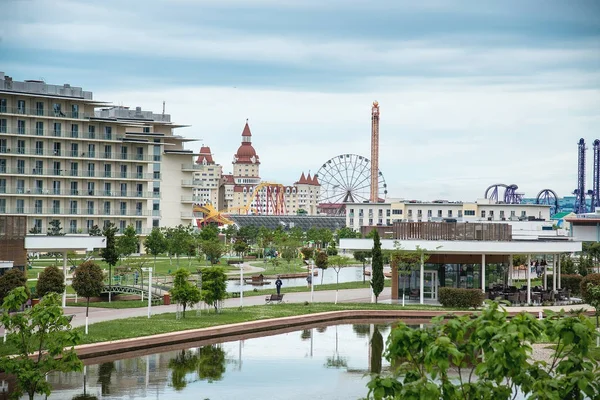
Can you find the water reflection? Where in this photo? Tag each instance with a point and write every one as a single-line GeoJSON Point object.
{"type": "Point", "coordinates": [320, 362]}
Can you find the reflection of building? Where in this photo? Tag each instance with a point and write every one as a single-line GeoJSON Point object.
{"type": "Point", "coordinates": [62, 158]}
{"type": "Point", "coordinates": [468, 255]}
{"type": "Point", "coordinates": [238, 190]}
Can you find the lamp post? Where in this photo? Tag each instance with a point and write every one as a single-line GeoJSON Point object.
{"type": "Point", "coordinates": [149, 270]}
{"type": "Point", "coordinates": [368, 259]}
{"type": "Point", "coordinates": [241, 285]}
{"type": "Point", "coordinates": [311, 276]}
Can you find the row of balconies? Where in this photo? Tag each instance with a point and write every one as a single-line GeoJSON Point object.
{"type": "Point", "coordinates": [51, 172]}
{"type": "Point", "coordinates": [70, 192]}
{"type": "Point", "coordinates": [28, 151]}
{"type": "Point", "coordinates": [40, 112]}
{"type": "Point", "coordinates": [62, 133]}
{"type": "Point", "coordinates": [78, 211]}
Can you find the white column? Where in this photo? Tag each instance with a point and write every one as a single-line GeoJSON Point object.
{"type": "Point", "coordinates": [545, 272]}
{"type": "Point", "coordinates": [422, 280]}
{"type": "Point", "coordinates": [510, 269]}
{"type": "Point", "coordinates": [150, 293]}
{"type": "Point", "coordinates": [241, 285]}
{"type": "Point", "coordinates": [554, 271]}
{"type": "Point", "coordinates": [64, 296]}
{"type": "Point", "coordinates": [559, 273]}
{"type": "Point", "coordinates": [528, 278]}
{"type": "Point", "coordinates": [483, 273]}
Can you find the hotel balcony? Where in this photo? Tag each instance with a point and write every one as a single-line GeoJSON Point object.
{"type": "Point", "coordinates": [50, 173]}
{"type": "Point", "coordinates": [20, 191]}
{"type": "Point", "coordinates": [82, 212]}
{"type": "Point", "coordinates": [83, 155]}
{"type": "Point", "coordinates": [40, 112]}
{"type": "Point", "coordinates": [51, 133]}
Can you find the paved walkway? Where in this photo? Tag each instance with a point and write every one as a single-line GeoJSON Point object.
{"type": "Point", "coordinates": [362, 295]}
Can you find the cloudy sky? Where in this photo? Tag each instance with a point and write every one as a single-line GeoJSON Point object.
{"type": "Point", "coordinates": [471, 92]}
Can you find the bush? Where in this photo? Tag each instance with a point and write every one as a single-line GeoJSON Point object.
{"type": "Point", "coordinates": [460, 298]}
{"type": "Point", "coordinates": [51, 280]}
{"type": "Point", "coordinates": [12, 279]}
{"type": "Point", "coordinates": [594, 279]}
{"type": "Point", "coordinates": [253, 254]}
{"type": "Point", "coordinates": [571, 282]}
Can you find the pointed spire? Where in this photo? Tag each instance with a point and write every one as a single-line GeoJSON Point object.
{"type": "Point", "coordinates": [302, 178]}
{"type": "Point", "coordinates": [315, 181]}
{"type": "Point", "coordinates": [246, 131]}
{"type": "Point", "coordinates": [308, 178]}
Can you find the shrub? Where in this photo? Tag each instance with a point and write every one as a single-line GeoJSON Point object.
{"type": "Point", "coordinates": [460, 298]}
{"type": "Point", "coordinates": [51, 280]}
{"type": "Point", "coordinates": [12, 279]}
{"type": "Point", "coordinates": [571, 282]}
{"type": "Point", "coordinates": [594, 279]}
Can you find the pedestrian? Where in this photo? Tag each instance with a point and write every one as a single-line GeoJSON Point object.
{"type": "Point", "coordinates": [309, 279]}
{"type": "Point", "coordinates": [278, 284]}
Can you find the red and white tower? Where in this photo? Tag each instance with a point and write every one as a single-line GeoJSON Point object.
{"type": "Point", "coordinates": [374, 198]}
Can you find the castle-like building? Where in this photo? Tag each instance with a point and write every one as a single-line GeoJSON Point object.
{"type": "Point", "coordinates": [243, 191]}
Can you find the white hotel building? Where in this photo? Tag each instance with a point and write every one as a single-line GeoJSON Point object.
{"type": "Point", "coordinates": [67, 157]}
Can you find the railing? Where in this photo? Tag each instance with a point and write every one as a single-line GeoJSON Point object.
{"type": "Point", "coordinates": [192, 198]}
{"type": "Point", "coordinates": [46, 113]}
{"type": "Point", "coordinates": [78, 211]}
{"type": "Point", "coordinates": [443, 231]}
{"type": "Point", "coordinates": [192, 166]}
{"type": "Point", "coordinates": [76, 173]}
{"type": "Point", "coordinates": [72, 154]}
{"type": "Point", "coordinates": [72, 192]}
{"type": "Point", "coordinates": [191, 183]}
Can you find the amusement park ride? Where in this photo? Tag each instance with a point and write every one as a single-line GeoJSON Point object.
{"type": "Point", "coordinates": [501, 193]}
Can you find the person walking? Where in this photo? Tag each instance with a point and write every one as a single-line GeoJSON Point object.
{"type": "Point", "coordinates": [278, 284]}
{"type": "Point", "coordinates": [309, 279]}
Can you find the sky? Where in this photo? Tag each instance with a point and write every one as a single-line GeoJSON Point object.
{"type": "Point", "coordinates": [471, 93]}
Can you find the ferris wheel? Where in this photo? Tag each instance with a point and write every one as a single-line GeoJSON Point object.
{"type": "Point", "coordinates": [347, 179]}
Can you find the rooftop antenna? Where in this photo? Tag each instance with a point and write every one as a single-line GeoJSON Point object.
{"type": "Point", "coordinates": [163, 108]}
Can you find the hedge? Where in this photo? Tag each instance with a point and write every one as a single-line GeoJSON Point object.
{"type": "Point", "coordinates": [460, 298]}
{"type": "Point", "coordinates": [571, 282]}
{"type": "Point", "coordinates": [594, 279]}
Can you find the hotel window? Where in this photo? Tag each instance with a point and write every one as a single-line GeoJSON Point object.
{"type": "Point", "coordinates": [74, 189]}
{"type": "Point", "coordinates": [107, 189]}
{"type": "Point", "coordinates": [20, 186]}
{"type": "Point", "coordinates": [91, 170]}
{"type": "Point", "coordinates": [91, 150]}
{"type": "Point", "coordinates": [73, 207]}
{"type": "Point", "coordinates": [139, 153]}
{"type": "Point", "coordinates": [74, 169]}
{"type": "Point", "coordinates": [122, 226]}
{"type": "Point", "coordinates": [429, 213]}
{"type": "Point", "coordinates": [108, 132]}
{"type": "Point", "coordinates": [55, 206]}
{"type": "Point", "coordinates": [138, 208]}
{"type": "Point", "coordinates": [524, 214]}
{"type": "Point", "coordinates": [501, 214]}
{"type": "Point", "coordinates": [20, 147]}
{"type": "Point", "coordinates": [123, 189]}
{"type": "Point", "coordinates": [56, 187]}
{"type": "Point", "coordinates": [3, 204]}
{"type": "Point", "coordinates": [90, 207]}
{"type": "Point", "coordinates": [2, 125]}
{"type": "Point", "coordinates": [138, 227]}
{"type": "Point", "coordinates": [39, 148]}
{"type": "Point", "coordinates": [146, 129]}
{"type": "Point", "coordinates": [439, 213]}
{"type": "Point", "coordinates": [39, 167]}
{"type": "Point", "coordinates": [20, 106]}
{"type": "Point", "coordinates": [21, 127]}
{"type": "Point", "coordinates": [449, 213]}
{"type": "Point", "coordinates": [39, 108]}
{"type": "Point", "coordinates": [123, 207]}
{"type": "Point", "coordinates": [73, 226]}
{"type": "Point", "coordinates": [89, 224]}
{"type": "Point", "coordinates": [460, 213]}
{"type": "Point", "coordinates": [37, 224]}
{"type": "Point", "coordinates": [91, 132]}
{"type": "Point", "coordinates": [20, 206]}
{"type": "Point", "coordinates": [482, 213]}
{"type": "Point", "coordinates": [3, 105]}
{"type": "Point", "coordinates": [107, 170]}
{"type": "Point", "coordinates": [39, 128]}
{"type": "Point", "coordinates": [123, 171]}
{"type": "Point", "coordinates": [20, 166]}
{"type": "Point", "coordinates": [410, 213]}
{"type": "Point", "coordinates": [56, 129]}
{"type": "Point", "coordinates": [75, 111]}
{"type": "Point", "coordinates": [74, 149]}
{"type": "Point", "coordinates": [74, 130]}
{"type": "Point", "coordinates": [57, 148]}
{"type": "Point", "coordinates": [2, 185]}
{"type": "Point", "coordinates": [107, 152]}
{"type": "Point", "coordinates": [91, 188]}
{"type": "Point", "coordinates": [107, 207]}
{"type": "Point", "coordinates": [57, 110]}
{"type": "Point", "coordinates": [492, 214]}
{"type": "Point", "coordinates": [512, 213]}
{"type": "Point", "coordinates": [123, 152]}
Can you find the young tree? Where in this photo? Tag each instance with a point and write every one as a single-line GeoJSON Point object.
{"type": "Point", "coordinates": [128, 242]}
{"type": "Point", "coordinates": [209, 232]}
{"type": "Point", "coordinates": [288, 253]}
{"type": "Point", "coordinates": [321, 261]}
{"type": "Point", "coordinates": [155, 243]}
{"type": "Point", "coordinates": [332, 250]}
{"type": "Point", "coordinates": [347, 233]}
{"type": "Point", "coordinates": [325, 237]}
{"type": "Point", "coordinates": [44, 332]}
{"type": "Point", "coordinates": [214, 285]}
{"type": "Point", "coordinates": [362, 257]}
{"type": "Point", "coordinates": [88, 281]}
{"type": "Point", "coordinates": [35, 230]}
{"type": "Point", "coordinates": [12, 279]}
{"type": "Point", "coordinates": [307, 252]}
{"type": "Point", "coordinates": [338, 262]}
{"type": "Point", "coordinates": [213, 249]}
{"type": "Point", "coordinates": [55, 229]}
{"type": "Point", "coordinates": [230, 232]}
{"type": "Point", "coordinates": [178, 240]}
{"type": "Point", "coordinates": [110, 254]}
{"type": "Point", "coordinates": [184, 292]}
{"type": "Point", "coordinates": [240, 247]}
{"type": "Point", "coordinates": [488, 356]}
{"type": "Point", "coordinates": [377, 278]}
{"type": "Point", "coordinates": [51, 280]}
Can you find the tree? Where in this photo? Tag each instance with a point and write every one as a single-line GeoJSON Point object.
{"type": "Point", "coordinates": [44, 332]}
{"type": "Point", "coordinates": [209, 232]}
{"type": "Point", "coordinates": [325, 237]}
{"type": "Point", "coordinates": [347, 233]}
{"type": "Point", "coordinates": [211, 363]}
{"type": "Point", "coordinates": [55, 229]}
{"type": "Point", "coordinates": [332, 250]}
{"type": "Point", "coordinates": [105, 371]}
{"type": "Point", "coordinates": [362, 257]}
{"type": "Point", "coordinates": [88, 281]}
{"type": "Point", "coordinates": [213, 249]}
{"type": "Point", "coordinates": [307, 252]}
{"type": "Point", "coordinates": [35, 230]}
{"type": "Point", "coordinates": [155, 243]}
{"type": "Point", "coordinates": [12, 279]}
{"type": "Point", "coordinates": [492, 356]}
{"type": "Point", "coordinates": [95, 231]}
{"type": "Point", "coordinates": [178, 239]}
{"type": "Point", "coordinates": [240, 247]}
{"type": "Point", "coordinates": [184, 292]}
{"type": "Point", "coordinates": [214, 285]}
{"type": "Point", "coordinates": [321, 261]}
{"type": "Point", "coordinates": [128, 242]}
{"type": "Point", "coordinates": [288, 253]}
{"type": "Point", "coordinates": [110, 254]}
{"type": "Point", "coordinates": [312, 235]}
{"type": "Point", "coordinates": [338, 262]}
{"type": "Point", "coordinates": [51, 279]}
{"type": "Point", "coordinates": [248, 233]}
{"type": "Point", "coordinates": [376, 351]}
{"type": "Point", "coordinates": [230, 232]}
{"type": "Point", "coordinates": [377, 278]}
{"type": "Point", "coordinates": [184, 363]}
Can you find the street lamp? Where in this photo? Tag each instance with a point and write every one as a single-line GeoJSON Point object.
{"type": "Point", "coordinates": [149, 270]}
{"type": "Point", "coordinates": [368, 259]}
{"type": "Point", "coordinates": [310, 278]}
{"type": "Point", "coordinates": [241, 265]}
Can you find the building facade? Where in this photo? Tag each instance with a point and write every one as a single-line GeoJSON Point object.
{"type": "Point", "coordinates": [207, 177]}
{"type": "Point", "coordinates": [65, 156]}
{"type": "Point", "coordinates": [369, 214]}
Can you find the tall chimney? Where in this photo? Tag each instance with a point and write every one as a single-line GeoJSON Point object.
{"type": "Point", "coordinates": [374, 198]}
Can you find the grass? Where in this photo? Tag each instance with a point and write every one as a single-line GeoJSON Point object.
{"type": "Point", "coordinates": [115, 304]}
